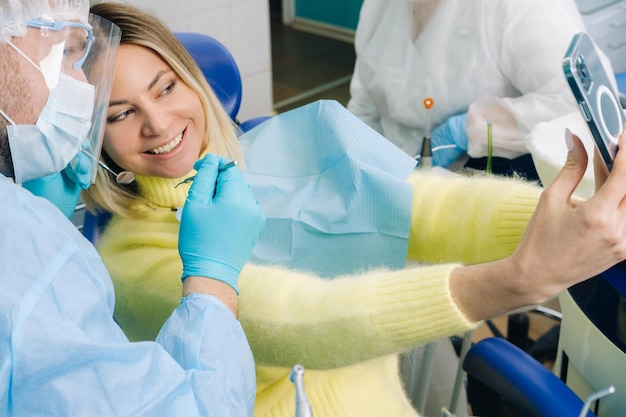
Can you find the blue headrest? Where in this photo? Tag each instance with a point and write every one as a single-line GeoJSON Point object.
{"type": "Point", "coordinates": [218, 66]}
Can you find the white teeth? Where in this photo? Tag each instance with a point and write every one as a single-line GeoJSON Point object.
{"type": "Point", "coordinates": [167, 148]}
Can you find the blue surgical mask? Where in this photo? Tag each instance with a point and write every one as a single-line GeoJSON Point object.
{"type": "Point", "coordinates": [61, 129]}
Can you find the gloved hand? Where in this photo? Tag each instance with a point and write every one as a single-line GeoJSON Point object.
{"type": "Point", "coordinates": [220, 223]}
{"type": "Point", "coordinates": [80, 169]}
{"type": "Point", "coordinates": [57, 188]}
{"type": "Point", "coordinates": [63, 188]}
{"type": "Point", "coordinates": [451, 132]}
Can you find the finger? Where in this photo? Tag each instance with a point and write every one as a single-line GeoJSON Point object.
{"type": "Point", "coordinates": [203, 187]}
{"type": "Point", "coordinates": [231, 185]}
{"type": "Point", "coordinates": [614, 188]}
{"type": "Point", "coordinates": [600, 171]}
{"type": "Point", "coordinates": [226, 163]}
{"type": "Point", "coordinates": [574, 169]}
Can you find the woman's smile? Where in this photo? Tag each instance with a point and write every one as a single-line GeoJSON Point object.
{"type": "Point", "coordinates": [167, 148]}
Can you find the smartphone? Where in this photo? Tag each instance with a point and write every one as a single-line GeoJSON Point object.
{"type": "Point", "coordinates": [596, 97]}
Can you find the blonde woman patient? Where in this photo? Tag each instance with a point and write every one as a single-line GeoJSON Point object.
{"type": "Point", "coordinates": [347, 332]}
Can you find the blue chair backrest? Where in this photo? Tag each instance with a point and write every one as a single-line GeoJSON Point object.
{"type": "Point", "coordinates": [218, 66]}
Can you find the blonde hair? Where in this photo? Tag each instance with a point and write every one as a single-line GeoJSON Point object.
{"type": "Point", "coordinates": [143, 29]}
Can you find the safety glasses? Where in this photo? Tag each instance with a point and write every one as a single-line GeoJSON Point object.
{"type": "Point", "coordinates": [80, 51]}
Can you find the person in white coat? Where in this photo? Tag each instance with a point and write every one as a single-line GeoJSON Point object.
{"type": "Point", "coordinates": [479, 60]}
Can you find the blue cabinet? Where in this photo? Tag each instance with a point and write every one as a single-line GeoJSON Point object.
{"type": "Point", "coordinates": [332, 18]}
{"type": "Point", "coordinates": [340, 13]}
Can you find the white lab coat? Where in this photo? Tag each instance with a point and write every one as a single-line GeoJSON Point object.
{"type": "Point", "coordinates": [499, 59]}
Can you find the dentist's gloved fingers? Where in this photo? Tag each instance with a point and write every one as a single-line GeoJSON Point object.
{"type": "Point", "coordinates": [203, 187]}
{"type": "Point", "coordinates": [232, 186]}
{"type": "Point", "coordinates": [80, 170]}
{"type": "Point", "coordinates": [220, 223]}
{"type": "Point", "coordinates": [57, 188]}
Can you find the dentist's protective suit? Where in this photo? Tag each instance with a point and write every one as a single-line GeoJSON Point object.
{"type": "Point", "coordinates": [480, 60]}
{"type": "Point", "coordinates": [61, 353]}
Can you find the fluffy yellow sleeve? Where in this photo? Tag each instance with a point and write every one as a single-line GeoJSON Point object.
{"type": "Point", "coordinates": [353, 318]}
{"type": "Point", "coordinates": [468, 219]}
{"type": "Point", "coordinates": [292, 316]}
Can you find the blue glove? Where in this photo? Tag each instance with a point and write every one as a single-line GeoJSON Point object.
{"type": "Point", "coordinates": [57, 188]}
{"type": "Point", "coordinates": [451, 132]}
{"type": "Point", "coordinates": [80, 169]}
{"type": "Point", "coordinates": [220, 223]}
{"type": "Point", "coordinates": [63, 188]}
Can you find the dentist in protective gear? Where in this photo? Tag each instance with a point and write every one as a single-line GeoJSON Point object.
{"type": "Point", "coordinates": [61, 352]}
{"type": "Point", "coordinates": [479, 60]}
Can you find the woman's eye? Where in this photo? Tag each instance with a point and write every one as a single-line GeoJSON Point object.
{"type": "Point", "coordinates": [119, 116]}
{"type": "Point", "coordinates": [168, 89]}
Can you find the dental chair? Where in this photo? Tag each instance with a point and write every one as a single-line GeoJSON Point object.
{"type": "Point", "coordinates": [218, 67]}
{"type": "Point", "coordinates": [517, 379]}
{"type": "Point", "coordinates": [221, 71]}
{"type": "Point", "coordinates": [592, 345]}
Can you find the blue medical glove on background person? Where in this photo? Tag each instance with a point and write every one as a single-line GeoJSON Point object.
{"type": "Point", "coordinates": [220, 223]}
{"type": "Point", "coordinates": [451, 132]}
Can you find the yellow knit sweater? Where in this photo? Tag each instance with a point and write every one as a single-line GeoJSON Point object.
{"type": "Point", "coordinates": [346, 331]}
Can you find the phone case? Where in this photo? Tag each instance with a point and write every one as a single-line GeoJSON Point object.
{"type": "Point", "coordinates": [593, 90]}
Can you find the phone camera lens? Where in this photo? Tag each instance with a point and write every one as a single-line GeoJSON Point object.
{"type": "Point", "coordinates": [583, 73]}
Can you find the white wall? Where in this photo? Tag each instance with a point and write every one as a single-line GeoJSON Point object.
{"type": "Point", "coordinates": [243, 26]}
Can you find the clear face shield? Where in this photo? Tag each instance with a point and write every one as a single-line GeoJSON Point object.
{"type": "Point", "coordinates": [76, 60]}
{"type": "Point", "coordinates": [98, 66]}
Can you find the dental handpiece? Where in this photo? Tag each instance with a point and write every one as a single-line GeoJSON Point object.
{"type": "Point", "coordinates": [222, 168]}
{"type": "Point", "coordinates": [303, 407]}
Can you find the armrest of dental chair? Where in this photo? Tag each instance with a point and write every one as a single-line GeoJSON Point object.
{"type": "Point", "coordinates": [519, 379]}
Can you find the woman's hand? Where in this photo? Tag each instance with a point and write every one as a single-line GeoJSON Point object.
{"type": "Point", "coordinates": [566, 241]}
{"type": "Point", "coordinates": [600, 171]}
